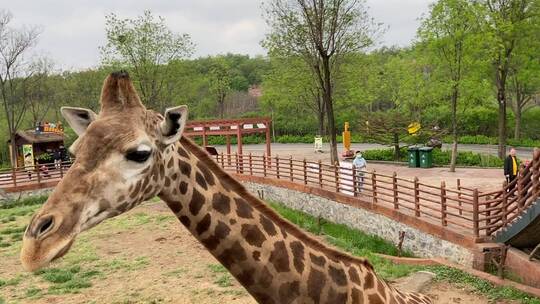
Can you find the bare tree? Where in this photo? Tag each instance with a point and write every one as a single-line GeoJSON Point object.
{"type": "Point", "coordinates": [322, 32]}
{"type": "Point", "coordinates": [15, 71]}
{"type": "Point", "coordinates": [39, 92]}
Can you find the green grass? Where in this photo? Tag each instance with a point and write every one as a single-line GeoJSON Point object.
{"type": "Point", "coordinates": [223, 278]}
{"type": "Point", "coordinates": [361, 244]}
{"type": "Point", "coordinates": [27, 201]}
{"type": "Point", "coordinates": [494, 293]}
{"type": "Point", "coordinates": [67, 280]}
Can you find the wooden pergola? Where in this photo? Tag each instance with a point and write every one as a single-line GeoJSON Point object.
{"type": "Point", "coordinates": [228, 128]}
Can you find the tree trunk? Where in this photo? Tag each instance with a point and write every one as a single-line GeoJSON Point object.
{"type": "Point", "coordinates": [13, 147]}
{"type": "Point", "coordinates": [221, 103]}
{"type": "Point", "coordinates": [502, 122]}
{"type": "Point", "coordinates": [321, 123]}
{"type": "Point", "coordinates": [454, 129]}
{"type": "Point", "coordinates": [517, 125]}
{"type": "Point", "coordinates": [396, 147]}
{"type": "Point", "coordinates": [327, 100]}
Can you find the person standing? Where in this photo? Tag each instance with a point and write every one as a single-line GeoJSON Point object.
{"type": "Point", "coordinates": [511, 165]}
{"type": "Point", "coordinates": [360, 164]}
{"type": "Point", "coordinates": [57, 159]}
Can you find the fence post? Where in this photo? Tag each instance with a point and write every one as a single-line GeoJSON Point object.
{"type": "Point", "coordinates": [416, 197]}
{"type": "Point", "coordinates": [264, 165]}
{"type": "Point", "coordinates": [38, 174]}
{"type": "Point", "coordinates": [443, 204]}
{"type": "Point", "coordinates": [458, 182]}
{"type": "Point", "coordinates": [336, 174]}
{"type": "Point", "coordinates": [475, 213]}
{"type": "Point", "coordinates": [519, 182]}
{"type": "Point", "coordinates": [61, 169]}
{"type": "Point", "coordinates": [354, 181]}
{"type": "Point", "coordinates": [291, 168]}
{"type": "Point", "coordinates": [305, 171]}
{"type": "Point", "coordinates": [374, 185]}
{"type": "Point", "coordinates": [320, 174]}
{"type": "Point", "coordinates": [395, 190]}
{"type": "Point", "coordinates": [250, 165]}
{"type": "Point", "coordinates": [505, 205]}
{"type": "Point", "coordinates": [488, 214]}
{"type": "Point", "coordinates": [277, 166]}
{"type": "Point", "coordinates": [14, 176]}
{"type": "Point", "coordinates": [222, 161]}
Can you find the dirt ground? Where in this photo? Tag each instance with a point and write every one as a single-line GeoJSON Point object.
{"type": "Point", "coordinates": [144, 256]}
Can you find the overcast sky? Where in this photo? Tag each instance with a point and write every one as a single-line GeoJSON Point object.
{"type": "Point", "coordinates": [73, 30]}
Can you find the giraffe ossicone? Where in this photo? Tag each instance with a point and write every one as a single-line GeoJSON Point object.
{"type": "Point", "coordinates": [127, 154]}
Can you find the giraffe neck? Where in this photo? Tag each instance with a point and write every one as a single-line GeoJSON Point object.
{"type": "Point", "coordinates": [274, 260]}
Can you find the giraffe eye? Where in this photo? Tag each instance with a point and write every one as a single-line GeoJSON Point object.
{"type": "Point", "coordinates": [139, 156]}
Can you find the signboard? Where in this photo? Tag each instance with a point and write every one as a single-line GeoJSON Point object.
{"type": "Point", "coordinates": [318, 144]}
{"type": "Point", "coordinates": [28, 155]}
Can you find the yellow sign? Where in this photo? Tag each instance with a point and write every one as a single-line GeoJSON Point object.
{"type": "Point", "coordinates": [414, 127]}
{"type": "Point", "coordinates": [347, 137]}
{"type": "Point", "coordinates": [28, 155]}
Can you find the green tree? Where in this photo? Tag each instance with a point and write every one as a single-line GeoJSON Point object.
{"type": "Point", "coordinates": [220, 83]}
{"type": "Point", "coordinates": [524, 78]}
{"type": "Point", "coordinates": [448, 36]}
{"type": "Point", "coordinates": [146, 46]}
{"type": "Point", "coordinates": [507, 24]}
{"type": "Point", "coordinates": [321, 33]}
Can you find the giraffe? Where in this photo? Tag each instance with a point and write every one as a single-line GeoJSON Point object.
{"type": "Point", "coordinates": [128, 154]}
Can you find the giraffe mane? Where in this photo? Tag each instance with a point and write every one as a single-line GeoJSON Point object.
{"type": "Point", "coordinates": [256, 203]}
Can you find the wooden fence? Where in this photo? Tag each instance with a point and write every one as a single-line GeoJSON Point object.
{"type": "Point", "coordinates": [463, 209]}
{"type": "Point", "coordinates": [466, 210]}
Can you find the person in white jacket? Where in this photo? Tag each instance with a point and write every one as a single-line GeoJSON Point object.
{"type": "Point", "coordinates": [360, 164]}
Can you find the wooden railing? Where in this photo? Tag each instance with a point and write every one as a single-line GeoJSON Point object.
{"type": "Point", "coordinates": [466, 210]}
{"type": "Point", "coordinates": [460, 208]}
{"type": "Point", "coordinates": [32, 175]}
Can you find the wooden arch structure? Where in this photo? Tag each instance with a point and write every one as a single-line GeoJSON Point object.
{"type": "Point", "coordinates": [228, 128]}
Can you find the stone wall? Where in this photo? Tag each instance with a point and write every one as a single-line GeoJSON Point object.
{"type": "Point", "coordinates": [418, 242]}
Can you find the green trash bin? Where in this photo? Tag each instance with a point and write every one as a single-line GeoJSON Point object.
{"type": "Point", "coordinates": [426, 157]}
{"type": "Point", "coordinates": [414, 159]}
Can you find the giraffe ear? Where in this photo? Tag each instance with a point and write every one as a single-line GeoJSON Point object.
{"type": "Point", "coordinates": [78, 118]}
{"type": "Point", "coordinates": [173, 125]}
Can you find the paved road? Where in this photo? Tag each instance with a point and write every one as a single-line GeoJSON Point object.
{"type": "Point", "coordinates": [297, 150]}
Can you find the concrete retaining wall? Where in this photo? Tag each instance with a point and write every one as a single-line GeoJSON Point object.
{"type": "Point", "coordinates": [9, 196]}
{"type": "Point", "coordinates": [419, 243]}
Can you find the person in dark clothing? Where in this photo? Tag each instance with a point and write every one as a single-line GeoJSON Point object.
{"type": "Point", "coordinates": [511, 167]}
{"type": "Point", "coordinates": [57, 156]}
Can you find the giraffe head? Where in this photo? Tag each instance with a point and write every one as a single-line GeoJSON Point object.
{"type": "Point", "coordinates": [118, 164]}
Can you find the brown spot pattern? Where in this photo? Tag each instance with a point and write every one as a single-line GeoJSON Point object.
{"type": "Point", "coordinates": [204, 224]}
{"type": "Point", "coordinates": [375, 299]}
{"type": "Point", "coordinates": [288, 292]}
{"type": "Point", "coordinates": [315, 284]}
{"type": "Point", "coordinates": [337, 275]}
{"type": "Point", "coordinates": [183, 187]}
{"type": "Point", "coordinates": [317, 260]}
{"type": "Point", "coordinates": [196, 203]}
{"type": "Point", "coordinates": [297, 249]}
{"type": "Point", "coordinates": [221, 203]}
{"type": "Point", "coordinates": [268, 226]}
{"type": "Point", "coordinates": [208, 176]}
{"type": "Point", "coordinates": [253, 235]}
{"type": "Point", "coordinates": [185, 168]}
{"type": "Point", "coordinates": [232, 255]}
{"type": "Point", "coordinates": [243, 209]}
{"type": "Point", "coordinates": [279, 257]}
{"type": "Point", "coordinates": [200, 180]}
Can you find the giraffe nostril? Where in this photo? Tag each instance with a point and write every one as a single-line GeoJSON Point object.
{"type": "Point", "coordinates": [45, 225]}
